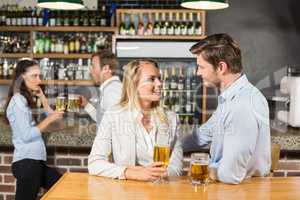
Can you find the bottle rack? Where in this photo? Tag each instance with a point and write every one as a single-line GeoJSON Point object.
{"type": "Point", "coordinates": [137, 23]}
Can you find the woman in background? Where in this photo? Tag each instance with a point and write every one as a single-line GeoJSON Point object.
{"type": "Point", "coordinates": [29, 158]}
{"type": "Point", "coordinates": [127, 132]}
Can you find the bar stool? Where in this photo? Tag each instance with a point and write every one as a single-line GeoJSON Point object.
{"type": "Point", "coordinates": [275, 154]}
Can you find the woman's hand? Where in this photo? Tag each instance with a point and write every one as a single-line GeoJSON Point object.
{"type": "Point", "coordinates": [39, 93]}
{"type": "Point", "coordinates": [55, 115]}
{"type": "Point", "coordinates": [149, 173]}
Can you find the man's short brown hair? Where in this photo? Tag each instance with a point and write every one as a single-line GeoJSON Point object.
{"type": "Point", "coordinates": [220, 47]}
{"type": "Point", "coordinates": [106, 57]}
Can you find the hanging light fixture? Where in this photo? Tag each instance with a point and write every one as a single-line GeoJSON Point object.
{"type": "Point", "coordinates": [205, 4]}
{"type": "Point", "coordinates": [61, 4]}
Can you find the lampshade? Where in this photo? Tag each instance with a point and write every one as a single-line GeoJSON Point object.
{"type": "Point", "coordinates": [205, 4]}
{"type": "Point", "coordinates": [61, 4]}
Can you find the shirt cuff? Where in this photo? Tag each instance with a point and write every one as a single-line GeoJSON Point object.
{"type": "Point", "coordinates": [89, 108]}
{"type": "Point", "coordinates": [122, 175]}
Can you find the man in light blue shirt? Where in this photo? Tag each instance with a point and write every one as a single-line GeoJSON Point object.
{"type": "Point", "coordinates": [238, 130]}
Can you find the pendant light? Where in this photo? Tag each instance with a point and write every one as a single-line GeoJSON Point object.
{"type": "Point", "coordinates": [205, 4]}
{"type": "Point", "coordinates": [61, 4]}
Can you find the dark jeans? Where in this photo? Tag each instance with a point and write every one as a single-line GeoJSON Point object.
{"type": "Point", "coordinates": [31, 175]}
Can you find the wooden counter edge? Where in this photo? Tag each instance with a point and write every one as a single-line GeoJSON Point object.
{"type": "Point", "coordinates": [55, 185]}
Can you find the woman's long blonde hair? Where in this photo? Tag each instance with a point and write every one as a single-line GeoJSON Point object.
{"type": "Point", "coordinates": [129, 97]}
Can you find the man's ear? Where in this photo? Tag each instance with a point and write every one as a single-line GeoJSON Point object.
{"type": "Point", "coordinates": [222, 67]}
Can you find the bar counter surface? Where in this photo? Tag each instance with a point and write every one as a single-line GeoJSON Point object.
{"type": "Point", "coordinates": [81, 186]}
{"type": "Point", "coordinates": [71, 134]}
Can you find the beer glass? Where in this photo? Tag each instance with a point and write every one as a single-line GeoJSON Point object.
{"type": "Point", "coordinates": [73, 103]}
{"type": "Point", "coordinates": [162, 147]}
{"type": "Point", "coordinates": [60, 103]}
{"type": "Point", "coordinates": [199, 171]}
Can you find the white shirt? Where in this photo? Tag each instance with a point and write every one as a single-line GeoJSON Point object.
{"type": "Point", "coordinates": [121, 134]}
{"type": "Point", "coordinates": [110, 95]}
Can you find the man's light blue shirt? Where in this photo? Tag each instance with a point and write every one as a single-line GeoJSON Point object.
{"type": "Point", "coordinates": [26, 137]}
{"type": "Point", "coordinates": [239, 134]}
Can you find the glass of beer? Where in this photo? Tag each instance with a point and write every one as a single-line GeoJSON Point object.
{"type": "Point", "coordinates": [162, 147]}
{"type": "Point", "coordinates": [73, 103]}
{"type": "Point", "coordinates": [199, 171]}
{"type": "Point", "coordinates": [60, 103]}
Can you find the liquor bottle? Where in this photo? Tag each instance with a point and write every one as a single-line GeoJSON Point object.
{"type": "Point", "coordinates": [188, 105]}
{"type": "Point", "coordinates": [40, 17]}
{"type": "Point", "coordinates": [194, 79]}
{"type": "Point", "coordinates": [176, 103]}
{"type": "Point", "coordinates": [34, 17]}
{"type": "Point", "coordinates": [77, 43]}
{"type": "Point", "coordinates": [8, 17]}
{"type": "Point", "coordinates": [5, 69]}
{"type": "Point", "coordinates": [131, 26]}
{"type": "Point", "coordinates": [52, 18]}
{"type": "Point", "coordinates": [58, 18]}
{"type": "Point", "coordinates": [122, 28]}
{"type": "Point", "coordinates": [19, 16]}
{"type": "Point", "coordinates": [93, 17]}
{"type": "Point", "coordinates": [76, 18]}
{"type": "Point", "coordinates": [170, 28]}
{"type": "Point", "coordinates": [166, 80]}
{"type": "Point", "coordinates": [29, 19]}
{"type": "Point", "coordinates": [163, 24]}
{"type": "Point", "coordinates": [149, 27]}
{"type": "Point", "coordinates": [47, 43]}
{"type": "Point", "coordinates": [103, 21]}
{"type": "Point", "coordinates": [181, 80]}
{"type": "Point", "coordinates": [188, 80]}
{"type": "Point", "coordinates": [177, 27]}
{"type": "Point", "coordinates": [166, 98]}
{"type": "Point", "coordinates": [72, 43]}
{"type": "Point", "coordinates": [198, 26]}
{"type": "Point", "coordinates": [183, 25]}
{"type": "Point", "coordinates": [173, 82]}
{"type": "Point", "coordinates": [190, 26]}
{"type": "Point", "coordinates": [156, 28]}
{"type": "Point", "coordinates": [140, 30]}
{"type": "Point", "coordinates": [23, 16]}
{"type": "Point", "coordinates": [1, 69]}
{"type": "Point", "coordinates": [85, 18]}
{"type": "Point", "coordinates": [53, 43]}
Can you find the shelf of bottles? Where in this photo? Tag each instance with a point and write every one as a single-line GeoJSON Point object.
{"type": "Point", "coordinates": [14, 15]}
{"type": "Point", "coordinates": [54, 71]}
{"type": "Point", "coordinates": [178, 24]}
{"type": "Point", "coordinates": [82, 44]}
{"type": "Point", "coordinates": [180, 86]}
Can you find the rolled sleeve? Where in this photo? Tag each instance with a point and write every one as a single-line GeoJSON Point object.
{"type": "Point", "coordinates": [91, 110]}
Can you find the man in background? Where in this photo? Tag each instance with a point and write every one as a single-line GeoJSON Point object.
{"type": "Point", "coordinates": [103, 70]}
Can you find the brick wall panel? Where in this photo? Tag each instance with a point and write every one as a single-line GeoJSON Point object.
{"type": "Point", "coordinates": [0, 178]}
{"type": "Point", "coordinates": [79, 170]}
{"type": "Point", "coordinates": [10, 197]}
{"type": "Point", "coordinates": [68, 161]}
{"type": "Point", "coordinates": [289, 165]}
{"type": "Point", "coordinates": [295, 173]}
{"type": "Point", "coordinates": [7, 188]}
{"type": "Point", "coordinates": [1, 196]}
{"type": "Point", "coordinates": [5, 169]}
{"type": "Point", "coordinates": [8, 160]}
{"type": "Point", "coordinates": [9, 179]}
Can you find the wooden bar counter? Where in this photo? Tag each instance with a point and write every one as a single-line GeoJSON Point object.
{"type": "Point", "coordinates": [81, 186]}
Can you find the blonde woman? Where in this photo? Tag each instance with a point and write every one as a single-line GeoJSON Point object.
{"type": "Point", "coordinates": [127, 131]}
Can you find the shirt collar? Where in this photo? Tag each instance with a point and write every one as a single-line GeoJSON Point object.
{"type": "Point", "coordinates": [106, 82]}
{"type": "Point", "coordinates": [233, 89]}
